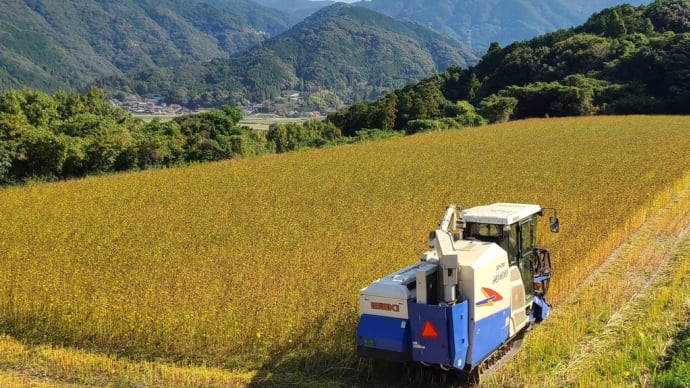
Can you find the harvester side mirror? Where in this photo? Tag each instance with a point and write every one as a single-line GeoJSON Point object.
{"type": "Point", "coordinates": [553, 221]}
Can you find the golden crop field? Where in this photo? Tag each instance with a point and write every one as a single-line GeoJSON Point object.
{"type": "Point", "coordinates": [255, 265]}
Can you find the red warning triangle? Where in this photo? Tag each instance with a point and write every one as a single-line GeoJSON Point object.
{"type": "Point", "coordinates": [429, 331]}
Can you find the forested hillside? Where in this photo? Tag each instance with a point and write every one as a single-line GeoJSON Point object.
{"type": "Point", "coordinates": [623, 60]}
{"type": "Point", "coordinates": [181, 49]}
{"type": "Point", "coordinates": [343, 53]}
{"type": "Point", "coordinates": [478, 23]}
{"type": "Point", "coordinates": [51, 44]}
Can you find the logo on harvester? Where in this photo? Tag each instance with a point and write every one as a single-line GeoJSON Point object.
{"type": "Point", "coordinates": [491, 297]}
{"type": "Point", "coordinates": [385, 306]}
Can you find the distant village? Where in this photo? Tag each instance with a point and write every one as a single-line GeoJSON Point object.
{"type": "Point", "coordinates": [290, 104]}
{"type": "Point", "coordinates": [135, 104]}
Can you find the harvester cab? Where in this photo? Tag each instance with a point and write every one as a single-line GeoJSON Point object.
{"type": "Point", "coordinates": [469, 300]}
{"type": "Point", "coordinates": [513, 228]}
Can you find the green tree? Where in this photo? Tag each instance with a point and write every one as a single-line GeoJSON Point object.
{"type": "Point", "coordinates": [104, 146]}
{"type": "Point", "coordinates": [76, 163]}
{"type": "Point", "coordinates": [12, 127]}
{"type": "Point", "coordinates": [467, 116]}
{"type": "Point", "coordinates": [497, 109]}
{"type": "Point", "coordinates": [12, 102]}
{"type": "Point", "coordinates": [293, 136]}
{"type": "Point", "coordinates": [277, 136]}
{"type": "Point", "coordinates": [322, 100]}
{"type": "Point", "coordinates": [6, 158]}
{"type": "Point", "coordinates": [209, 135]}
{"type": "Point", "coordinates": [607, 23]}
{"type": "Point", "coordinates": [416, 126]}
{"type": "Point", "coordinates": [31, 151]}
{"type": "Point", "coordinates": [588, 89]}
{"type": "Point", "coordinates": [550, 99]}
{"type": "Point", "coordinates": [39, 108]}
{"type": "Point", "coordinates": [152, 146]}
{"type": "Point", "coordinates": [44, 152]}
{"type": "Point", "coordinates": [357, 117]}
{"type": "Point", "coordinates": [96, 103]}
{"type": "Point", "coordinates": [618, 27]}
{"type": "Point", "coordinates": [428, 101]}
{"type": "Point", "coordinates": [670, 15]}
{"type": "Point", "coordinates": [387, 110]}
{"type": "Point", "coordinates": [69, 105]}
{"type": "Point", "coordinates": [234, 115]}
{"type": "Point", "coordinates": [80, 124]}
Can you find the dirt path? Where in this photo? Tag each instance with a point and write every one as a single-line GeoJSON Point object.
{"type": "Point", "coordinates": [628, 279]}
{"type": "Point", "coordinates": [649, 232]}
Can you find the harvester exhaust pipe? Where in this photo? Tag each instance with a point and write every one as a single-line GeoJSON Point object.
{"type": "Point", "coordinates": [448, 260]}
{"type": "Point", "coordinates": [443, 240]}
{"type": "Point", "coordinates": [448, 219]}
{"type": "Point", "coordinates": [452, 223]}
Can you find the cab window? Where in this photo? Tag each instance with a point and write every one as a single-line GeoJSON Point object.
{"type": "Point", "coordinates": [483, 232]}
{"type": "Point", "coordinates": [512, 244]}
{"type": "Point", "coordinates": [527, 236]}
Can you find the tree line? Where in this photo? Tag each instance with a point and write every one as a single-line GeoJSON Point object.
{"type": "Point", "coordinates": [69, 135]}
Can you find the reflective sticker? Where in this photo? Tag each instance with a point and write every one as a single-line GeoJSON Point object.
{"type": "Point", "coordinates": [429, 331]}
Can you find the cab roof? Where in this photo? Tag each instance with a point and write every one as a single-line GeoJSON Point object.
{"type": "Point", "coordinates": [500, 213]}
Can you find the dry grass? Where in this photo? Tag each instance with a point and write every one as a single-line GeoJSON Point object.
{"type": "Point", "coordinates": [255, 264]}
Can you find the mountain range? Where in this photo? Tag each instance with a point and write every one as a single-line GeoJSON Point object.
{"type": "Point", "coordinates": [478, 23]}
{"type": "Point", "coordinates": [228, 50]}
{"type": "Point", "coordinates": [51, 44]}
{"type": "Point", "coordinates": [348, 52]}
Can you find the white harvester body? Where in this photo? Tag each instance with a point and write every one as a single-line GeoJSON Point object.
{"type": "Point", "coordinates": [474, 291]}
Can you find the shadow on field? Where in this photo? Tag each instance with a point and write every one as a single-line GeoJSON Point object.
{"type": "Point", "coordinates": [326, 357]}
{"type": "Point", "coordinates": [673, 369]}
{"type": "Point", "coordinates": [321, 354]}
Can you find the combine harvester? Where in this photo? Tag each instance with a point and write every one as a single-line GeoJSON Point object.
{"type": "Point", "coordinates": [467, 304]}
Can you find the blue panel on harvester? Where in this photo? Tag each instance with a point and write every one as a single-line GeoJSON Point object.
{"type": "Point", "coordinates": [439, 333]}
{"type": "Point", "coordinates": [541, 308]}
{"type": "Point", "coordinates": [489, 333]}
{"type": "Point", "coordinates": [383, 333]}
{"type": "Point", "coordinates": [460, 323]}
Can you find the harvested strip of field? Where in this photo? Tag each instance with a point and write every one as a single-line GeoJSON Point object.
{"type": "Point", "coordinates": [617, 325]}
